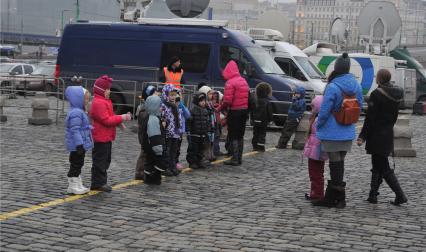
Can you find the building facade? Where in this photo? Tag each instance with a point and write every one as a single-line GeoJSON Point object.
{"type": "Point", "coordinates": [314, 19]}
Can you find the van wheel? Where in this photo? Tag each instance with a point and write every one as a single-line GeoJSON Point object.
{"type": "Point", "coordinates": [117, 99]}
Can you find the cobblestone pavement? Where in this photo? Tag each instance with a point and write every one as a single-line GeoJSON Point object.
{"type": "Point", "coordinates": [256, 207]}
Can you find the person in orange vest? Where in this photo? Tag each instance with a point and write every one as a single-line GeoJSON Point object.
{"type": "Point", "coordinates": [173, 73]}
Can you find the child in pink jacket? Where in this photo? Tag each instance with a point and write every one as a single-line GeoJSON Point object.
{"type": "Point", "coordinates": [316, 158]}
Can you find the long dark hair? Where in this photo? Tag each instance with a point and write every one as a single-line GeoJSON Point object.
{"type": "Point", "coordinates": [332, 76]}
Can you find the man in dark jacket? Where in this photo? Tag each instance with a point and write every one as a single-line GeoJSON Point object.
{"type": "Point", "coordinates": [295, 114]}
{"type": "Point", "coordinates": [377, 132]}
{"type": "Point", "coordinates": [261, 115]}
{"type": "Point", "coordinates": [198, 126]}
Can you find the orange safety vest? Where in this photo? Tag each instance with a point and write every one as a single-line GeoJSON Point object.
{"type": "Point", "coordinates": [173, 78]}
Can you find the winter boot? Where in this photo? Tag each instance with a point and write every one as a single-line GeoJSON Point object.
{"type": "Point", "coordinates": [81, 186]}
{"type": "Point", "coordinates": [73, 186]}
{"type": "Point", "coordinates": [340, 198]}
{"type": "Point", "coordinates": [152, 178]}
{"type": "Point", "coordinates": [329, 198]}
{"type": "Point", "coordinates": [235, 154]}
{"type": "Point", "coordinates": [393, 183]}
{"type": "Point", "coordinates": [102, 188]}
{"type": "Point", "coordinates": [376, 180]}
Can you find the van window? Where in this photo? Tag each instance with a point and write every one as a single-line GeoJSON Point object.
{"type": "Point", "coordinates": [228, 53]}
{"type": "Point", "coordinates": [290, 69]}
{"type": "Point", "coordinates": [194, 57]}
{"type": "Point", "coordinates": [28, 69]}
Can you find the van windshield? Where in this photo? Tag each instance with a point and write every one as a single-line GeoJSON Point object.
{"type": "Point", "coordinates": [309, 67]}
{"type": "Point", "coordinates": [264, 60]}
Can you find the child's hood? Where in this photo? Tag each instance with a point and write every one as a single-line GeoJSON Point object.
{"type": "Point", "coordinates": [75, 96]}
{"type": "Point", "coordinates": [153, 104]}
{"type": "Point", "coordinates": [166, 91]}
{"type": "Point", "coordinates": [300, 90]}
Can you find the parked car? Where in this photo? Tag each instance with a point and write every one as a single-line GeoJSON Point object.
{"type": "Point", "coordinates": [41, 79]}
{"type": "Point", "coordinates": [11, 72]}
{"type": "Point", "coordinates": [4, 59]}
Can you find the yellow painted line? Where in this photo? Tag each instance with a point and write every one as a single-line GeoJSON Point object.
{"type": "Point", "coordinates": [56, 202]}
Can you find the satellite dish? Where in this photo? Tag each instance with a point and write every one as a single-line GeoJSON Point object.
{"type": "Point", "coordinates": [337, 31]}
{"type": "Point", "coordinates": [187, 8]}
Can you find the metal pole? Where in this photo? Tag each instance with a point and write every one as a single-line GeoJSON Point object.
{"type": "Point", "coordinates": [77, 10]}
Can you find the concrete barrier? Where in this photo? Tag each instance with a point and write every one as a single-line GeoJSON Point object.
{"type": "Point", "coordinates": [40, 105]}
{"type": "Point", "coordinates": [3, 118]}
{"type": "Point", "coordinates": [301, 132]}
{"type": "Point", "coordinates": [402, 137]}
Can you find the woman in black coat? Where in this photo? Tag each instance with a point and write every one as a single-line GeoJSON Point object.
{"type": "Point", "coordinates": [377, 132]}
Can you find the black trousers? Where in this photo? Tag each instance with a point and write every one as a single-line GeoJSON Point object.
{"type": "Point", "coordinates": [172, 145]}
{"type": "Point", "coordinates": [288, 130]}
{"type": "Point", "coordinates": [153, 166]}
{"type": "Point", "coordinates": [259, 135]}
{"type": "Point", "coordinates": [101, 157]}
{"type": "Point", "coordinates": [195, 152]}
{"type": "Point", "coordinates": [76, 163]}
{"type": "Point", "coordinates": [380, 164]}
{"type": "Point", "coordinates": [237, 124]}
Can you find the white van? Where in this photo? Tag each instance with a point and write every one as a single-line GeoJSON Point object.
{"type": "Point", "coordinates": [365, 68]}
{"type": "Point", "coordinates": [293, 61]}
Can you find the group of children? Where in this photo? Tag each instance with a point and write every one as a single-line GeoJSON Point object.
{"type": "Point", "coordinates": [163, 121]}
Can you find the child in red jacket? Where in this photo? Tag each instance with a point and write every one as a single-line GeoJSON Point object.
{"type": "Point", "coordinates": [104, 122]}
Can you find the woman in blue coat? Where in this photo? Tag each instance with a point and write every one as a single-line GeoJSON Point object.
{"type": "Point", "coordinates": [336, 139]}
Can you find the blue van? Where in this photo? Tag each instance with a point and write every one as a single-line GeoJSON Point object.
{"type": "Point", "coordinates": [127, 51]}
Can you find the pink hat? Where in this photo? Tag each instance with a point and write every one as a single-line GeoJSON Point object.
{"type": "Point", "coordinates": [101, 84]}
{"type": "Point", "coordinates": [316, 103]}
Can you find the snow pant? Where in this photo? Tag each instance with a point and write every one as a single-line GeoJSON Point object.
{"type": "Point", "coordinates": [140, 165]}
{"type": "Point", "coordinates": [195, 152]}
{"type": "Point", "coordinates": [154, 166]}
{"type": "Point", "coordinates": [101, 158]}
{"type": "Point", "coordinates": [287, 131]}
{"type": "Point", "coordinates": [316, 176]}
{"type": "Point", "coordinates": [236, 129]}
{"type": "Point", "coordinates": [76, 163]}
{"type": "Point", "coordinates": [172, 145]}
{"type": "Point", "coordinates": [259, 135]}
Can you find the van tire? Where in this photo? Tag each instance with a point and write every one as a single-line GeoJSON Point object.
{"type": "Point", "coordinates": [117, 99]}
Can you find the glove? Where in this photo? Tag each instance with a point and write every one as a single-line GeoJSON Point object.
{"type": "Point", "coordinates": [80, 150]}
{"type": "Point", "coordinates": [126, 117]}
{"type": "Point", "coordinates": [181, 106]}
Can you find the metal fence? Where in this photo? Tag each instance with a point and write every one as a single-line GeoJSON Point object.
{"type": "Point", "coordinates": [129, 97]}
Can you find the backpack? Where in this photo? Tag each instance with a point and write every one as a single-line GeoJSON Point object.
{"type": "Point", "coordinates": [349, 111]}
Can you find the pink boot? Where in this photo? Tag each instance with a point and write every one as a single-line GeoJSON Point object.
{"type": "Point", "coordinates": [179, 166]}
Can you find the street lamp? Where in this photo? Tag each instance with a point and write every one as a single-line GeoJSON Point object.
{"type": "Point", "coordinates": [62, 20]}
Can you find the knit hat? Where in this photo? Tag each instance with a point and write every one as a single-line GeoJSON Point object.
{"type": "Point", "coordinates": [198, 97]}
{"type": "Point", "coordinates": [316, 103]}
{"type": "Point", "coordinates": [148, 91]}
{"type": "Point", "coordinates": [383, 77]}
{"type": "Point", "coordinates": [205, 90]}
{"type": "Point", "coordinates": [101, 84]}
{"type": "Point", "coordinates": [263, 90]}
{"type": "Point", "coordinates": [343, 64]}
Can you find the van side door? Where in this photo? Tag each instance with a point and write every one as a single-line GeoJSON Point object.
{"type": "Point", "coordinates": [195, 60]}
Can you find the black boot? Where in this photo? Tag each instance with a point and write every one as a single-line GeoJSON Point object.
{"type": "Point", "coordinates": [235, 154]}
{"type": "Point", "coordinates": [393, 183]}
{"type": "Point", "coordinates": [152, 178]}
{"type": "Point", "coordinates": [329, 197]}
{"type": "Point", "coordinates": [340, 199]}
{"type": "Point", "coordinates": [376, 180]}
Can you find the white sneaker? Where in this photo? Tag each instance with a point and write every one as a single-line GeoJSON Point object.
{"type": "Point", "coordinates": [73, 186]}
{"type": "Point", "coordinates": [81, 186]}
